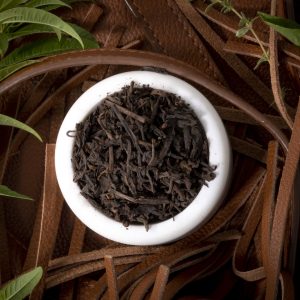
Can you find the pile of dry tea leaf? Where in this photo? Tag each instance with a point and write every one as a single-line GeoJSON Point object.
{"type": "Point", "coordinates": [141, 156]}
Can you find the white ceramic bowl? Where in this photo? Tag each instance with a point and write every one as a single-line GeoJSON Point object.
{"type": "Point", "coordinates": [202, 207]}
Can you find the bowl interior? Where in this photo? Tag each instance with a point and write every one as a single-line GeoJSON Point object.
{"type": "Point", "coordinates": [203, 206]}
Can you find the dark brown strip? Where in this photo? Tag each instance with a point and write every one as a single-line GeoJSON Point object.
{"type": "Point", "coordinates": [160, 283]}
{"type": "Point", "coordinates": [243, 49]}
{"type": "Point", "coordinates": [77, 240]}
{"type": "Point", "coordinates": [269, 202]}
{"type": "Point", "coordinates": [38, 93]}
{"type": "Point", "coordinates": [61, 276]}
{"type": "Point", "coordinates": [282, 208]}
{"type": "Point", "coordinates": [139, 287]}
{"type": "Point", "coordinates": [239, 116]}
{"type": "Point", "coordinates": [287, 286]}
{"type": "Point", "coordinates": [248, 149]}
{"type": "Point", "coordinates": [240, 255]}
{"type": "Point", "coordinates": [208, 266]}
{"type": "Point", "coordinates": [111, 276]}
{"type": "Point", "coordinates": [46, 223]}
{"type": "Point", "coordinates": [119, 251]}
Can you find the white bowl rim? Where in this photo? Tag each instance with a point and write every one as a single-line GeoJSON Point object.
{"type": "Point", "coordinates": [203, 206]}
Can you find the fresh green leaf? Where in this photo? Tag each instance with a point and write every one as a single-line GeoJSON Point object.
{"type": "Point", "coordinates": [58, 33]}
{"type": "Point", "coordinates": [288, 28]}
{"type": "Point", "coordinates": [22, 286]}
{"type": "Point", "coordinates": [8, 121]}
{"type": "Point", "coordinates": [43, 47]}
{"type": "Point", "coordinates": [36, 28]}
{"type": "Point", "coordinates": [3, 44]}
{"type": "Point", "coordinates": [244, 20]}
{"type": "Point", "coordinates": [7, 4]}
{"type": "Point", "coordinates": [37, 16]}
{"type": "Point", "coordinates": [7, 192]}
{"type": "Point", "coordinates": [263, 59]}
{"type": "Point", "coordinates": [40, 3]}
{"type": "Point", "coordinates": [241, 32]}
{"type": "Point", "coordinates": [29, 30]}
{"type": "Point", "coordinates": [8, 70]}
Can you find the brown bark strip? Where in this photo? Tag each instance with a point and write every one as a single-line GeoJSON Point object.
{"type": "Point", "coordinates": [238, 116]}
{"type": "Point", "coordinates": [91, 17]}
{"type": "Point", "coordinates": [87, 84]}
{"type": "Point", "coordinates": [74, 259]}
{"type": "Point", "coordinates": [47, 221]}
{"type": "Point", "coordinates": [204, 268]}
{"type": "Point", "coordinates": [62, 276]}
{"type": "Point", "coordinates": [282, 209]}
{"type": "Point", "coordinates": [293, 62]}
{"type": "Point", "coordinates": [76, 244]}
{"type": "Point", "coordinates": [290, 50]}
{"type": "Point", "coordinates": [5, 272]}
{"type": "Point", "coordinates": [248, 149]}
{"type": "Point", "coordinates": [5, 268]}
{"type": "Point", "coordinates": [287, 286]}
{"type": "Point", "coordinates": [274, 71]}
{"type": "Point", "coordinates": [111, 276]}
{"type": "Point", "coordinates": [56, 119]}
{"type": "Point", "coordinates": [243, 49]}
{"type": "Point", "coordinates": [268, 203]}
{"type": "Point", "coordinates": [101, 284]}
{"type": "Point", "coordinates": [139, 287]}
{"type": "Point", "coordinates": [240, 255]}
{"type": "Point", "coordinates": [160, 283]}
{"type": "Point", "coordinates": [218, 44]}
{"type": "Point", "coordinates": [141, 58]}
{"type": "Point", "coordinates": [38, 93]}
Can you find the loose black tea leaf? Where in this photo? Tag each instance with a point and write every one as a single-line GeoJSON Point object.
{"type": "Point", "coordinates": [141, 156]}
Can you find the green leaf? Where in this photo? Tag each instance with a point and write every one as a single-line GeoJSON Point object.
{"type": "Point", "coordinates": [8, 121]}
{"type": "Point", "coordinates": [29, 30]}
{"type": "Point", "coordinates": [6, 4]}
{"type": "Point", "coordinates": [244, 20]}
{"type": "Point", "coordinates": [8, 70]}
{"type": "Point", "coordinates": [22, 286]}
{"type": "Point", "coordinates": [40, 3]}
{"type": "Point", "coordinates": [37, 16]}
{"type": "Point", "coordinates": [44, 47]}
{"type": "Point", "coordinates": [263, 59]}
{"type": "Point", "coordinates": [7, 192]}
{"type": "Point", "coordinates": [241, 32]}
{"type": "Point", "coordinates": [58, 33]}
{"type": "Point", "coordinates": [288, 28]}
{"type": "Point", "coordinates": [3, 44]}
